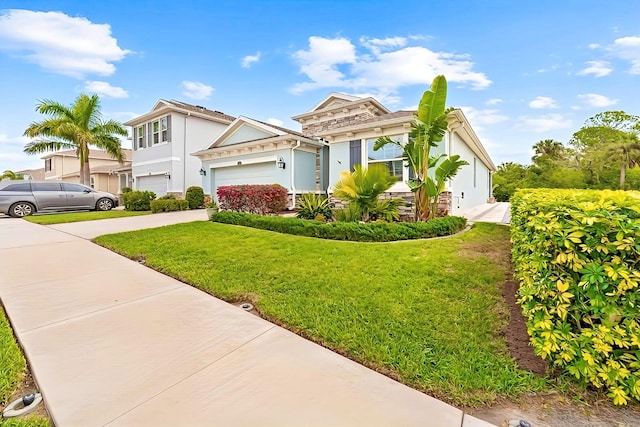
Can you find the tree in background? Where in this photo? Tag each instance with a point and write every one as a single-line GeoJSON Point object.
{"type": "Point", "coordinates": [11, 175]}
{"type": "Point", "coordinates": [77, 127]}
{"type": "Point", "coordinates": [606, 142]}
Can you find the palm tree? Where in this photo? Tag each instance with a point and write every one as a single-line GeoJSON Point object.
{"type": "Point", "coordinates": [11, 175]}
{"type": "Point", "coordinates": [548, 149]}
{"type": "Point", "coordinates": [626, 153]}
{"type": "Point", "coordinates": [362, 187]}
{"type": "Point", "coordinates": [77, 127]}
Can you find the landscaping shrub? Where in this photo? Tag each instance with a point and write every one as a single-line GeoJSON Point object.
{"type": "Point", "coordinates": [195, 196]}
{"type": "Point", "coordinates": [576, 254]}
{"type": "Point", "coordinates": [138, 200]}
{"type": "Point", "coordinates": [354, 231]}
{"type": "Point", "coordinates": [260, 199]}
{"type": "Point", "coordinates": [126, 190]}
{"type": "Point", "coordinates": [168, 197]}
{"type": "Point", "coordinates": [310, 206]}
{"type": "Point", "coordinates": [168, 205]}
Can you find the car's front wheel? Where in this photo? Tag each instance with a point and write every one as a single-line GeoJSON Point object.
{"type": "Point", "coordinates": [20, 209]}
{"type": "Point", "coordinates": [104, 204]}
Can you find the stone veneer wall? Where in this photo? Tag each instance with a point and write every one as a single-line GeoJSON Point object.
{"type": "Point", "coordinates": [406, 212]}
{"type": "Point", "coordinates": [315, 128]}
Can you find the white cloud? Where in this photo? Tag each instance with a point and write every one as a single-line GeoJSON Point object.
{"type": "Point", "coordinates": [494, 101]}
{"type": "Point", "coordinates": [249, 60]}
{"type": "Point", "coordinates": [13, 141]}
{"type": "Point", "coordinates": [479, 118]}
{"type": "Point", "coordinates": [196, 90]}
{"type": "Point", "coordinates": [72, 46]}
{"type": "Point", "coordinates": [378, 45]}
{"type": "Point", "coordinates": [543, 102]}
{"type": "Point", "coordinates": [595, 100]}
{"type": "Point", "coordinates": [544, 123]}
{"type": "Point", "coordinates": [104, 88]}
{"type": "Point", "coordinates": [594, 46]}
{"type": "Point", "coordinates": [386, 65]}
{"type": "Point", "coordinates": [628, 48]}
{"type": "Point", "coordinates": [546, 70]}
{"type": "Point", "coordinates": [275, 122]}
{"type": "Point", "coordinates": [597, 68]}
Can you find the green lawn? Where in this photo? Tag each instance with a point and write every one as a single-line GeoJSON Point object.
{"type": "Point", "coordinates": [427, 312]}
{"type": "Point", "coordinates": [12, 370]}
{"type": "Point", "coordinates": [81, 216]}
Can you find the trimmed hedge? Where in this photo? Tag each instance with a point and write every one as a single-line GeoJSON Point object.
{"type": "Point", "coordinates": [168, 205]}
{"type": "Point", "coordinates": [138, 200]}
{"type": "Point", "coordinates": [576, 254]}
{"type": "Point", "coordinates": [261, 199]}
{"type": "Point", "coordinates": [195, 196]}
{"type": "Point", "coordinates": [353, 231]}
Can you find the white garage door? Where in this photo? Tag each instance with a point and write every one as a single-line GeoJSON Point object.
{"type": "Point", "coordinates": [260, 173]}
{"type": "Point", "coordinates": [155, 183]}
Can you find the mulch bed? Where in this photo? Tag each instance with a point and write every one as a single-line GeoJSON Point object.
{"type": "Point", "coordinates": [516, 334]}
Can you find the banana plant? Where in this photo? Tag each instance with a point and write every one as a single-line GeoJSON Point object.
{"type": "Point", "coordinates": [427, 130]}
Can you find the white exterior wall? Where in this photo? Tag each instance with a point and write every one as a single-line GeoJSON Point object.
{"type": "Point", "coordinates": [174, 157]}
{"type": "Point", "coordinates": [469, 187]}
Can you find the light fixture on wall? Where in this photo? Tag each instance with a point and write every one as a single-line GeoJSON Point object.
{"type": "Point", "coordinates": [280, 163]}
{"type": "Point", "coordinates": [203, 172]}
{"type": "Point", "coordinates": [168, 175]}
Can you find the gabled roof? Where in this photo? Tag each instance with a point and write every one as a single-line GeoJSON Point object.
{"type": "Point", "coordinates": [269, 129]}
{"type": "Point", "coordinates": [339, 101]}
{"type": "Point", "coordinates": [93, 154]}
{"type": "Point", "coordinates": [334, 99]}
{"type": "Point", "coordinates": [35, 174]}
{"type": "Point", "coordinates": [164, 105]}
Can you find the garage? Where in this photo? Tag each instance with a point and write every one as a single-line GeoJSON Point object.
{"type": "Point", "coordinates": [258, 173]}
{"type": "Point", "coordinates": [155, 183]}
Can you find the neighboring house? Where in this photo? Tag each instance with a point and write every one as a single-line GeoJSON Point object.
{"type": "Point", "coordinates": [352, 124]}
{"type": "Point", "coordinates": [65, 166]}
{"type": "Point", "coordinates": [253, 152]}
{"type": "Point", "coordinates": [34, 174]}
{"type": "Point", "coordinates": [163, 140]}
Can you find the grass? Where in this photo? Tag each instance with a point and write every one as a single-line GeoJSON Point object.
{"type": "Point", "coordinates": [12, 362]}
{"type": "Point", "coordinates": [81, 216]}
{"type": "Point", "coordinates": [12, 370]}
{"type": "Point", "coordinates": [428, 313]}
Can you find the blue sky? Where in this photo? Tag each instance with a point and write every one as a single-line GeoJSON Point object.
{"type": "Point", "coordinates": [522, 71]}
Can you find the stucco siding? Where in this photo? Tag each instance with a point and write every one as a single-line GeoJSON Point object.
{"type": "Point", "coordinates": [338, 161]}
{"type": "Point", "coordinates": [470, 187]}
{"type": "Point", "coordinates": [305, 171]}
{"type": "Point", "coordinates": [245, 133]}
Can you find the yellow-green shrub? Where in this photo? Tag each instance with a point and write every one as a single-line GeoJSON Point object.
{"type": "Point", "coordinates": [576, 254]}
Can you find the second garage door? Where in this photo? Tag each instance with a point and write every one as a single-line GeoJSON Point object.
{"type": "Point", "coordinates": [155, 183]}
{"type": "Point", "coordinates": [260, 173]}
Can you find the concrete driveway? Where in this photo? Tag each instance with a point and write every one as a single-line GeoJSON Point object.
{"type": "Point", "coordinates": [113, 343]}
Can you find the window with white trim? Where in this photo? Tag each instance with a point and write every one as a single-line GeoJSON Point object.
{"type": "Point", "coordinates": [390, 155]}
{"type": "Point", "coordinates": [47, 165]}
{"type": "Point", "coordinates": [140, 136]}
{"type": "Point", "coordinates": [152, 133]}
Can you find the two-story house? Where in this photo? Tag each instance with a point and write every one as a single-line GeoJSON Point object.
{"type": "Point", "coordinates": [65, 165]}
{"type": "Point", "coordinates": [163, 140]}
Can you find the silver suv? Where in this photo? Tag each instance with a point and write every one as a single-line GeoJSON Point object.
{"type": "Point", "coordinates": [22, 198]}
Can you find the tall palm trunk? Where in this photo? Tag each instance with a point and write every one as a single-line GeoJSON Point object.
{"type": "Point", "coordinates": [623, 174]}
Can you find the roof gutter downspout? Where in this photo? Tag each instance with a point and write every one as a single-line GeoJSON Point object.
{"type": "Point", "coordinates": [293, 175]}
{"type": "Point", "coordinates": [184, 156]}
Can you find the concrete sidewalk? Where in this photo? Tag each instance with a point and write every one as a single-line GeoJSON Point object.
{"type": "Point", "coordinates": [111, 342]}
{"type": "Point", "coordinates": [489, 212]}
